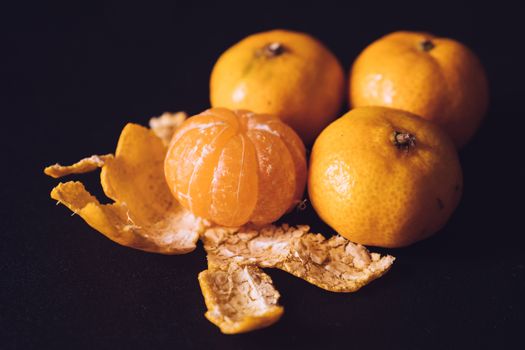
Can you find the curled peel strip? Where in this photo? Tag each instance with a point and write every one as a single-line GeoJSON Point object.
{"type": "Point", "coordinates": [82, 166]}
{"type": "Point", "coordinates": [239, 296]}
{"type": "Point", "coordinates": [176, 234]}
{"type": "Point", "coordinates": [144, 214]}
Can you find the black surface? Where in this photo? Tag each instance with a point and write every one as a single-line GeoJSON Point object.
{"type": "Point", "coordinates": [73, 75]}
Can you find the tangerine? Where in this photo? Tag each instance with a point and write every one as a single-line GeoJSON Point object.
{"type": "Point", "coordinates": [234, 167]}
{"type": "Point", "coordinates": [439, 79]}
{"type": "Point", "coordinates": [287, 74]}
{"type": "Point", "coordinates": [384, 177]}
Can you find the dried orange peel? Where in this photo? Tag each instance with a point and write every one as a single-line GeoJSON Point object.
{"type": "Point", "coordinates": [239, 296]}
{"type": "Point", "coordinates": [334, 264]}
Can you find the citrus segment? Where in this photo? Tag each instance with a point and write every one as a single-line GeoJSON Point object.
{"type": "Point", "coordinates": [234, 183]}
{"type": "Point", "coordinates": [277, 172]}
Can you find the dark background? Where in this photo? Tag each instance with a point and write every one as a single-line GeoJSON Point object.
{"type": "Point", "coordinates": [73, 75]}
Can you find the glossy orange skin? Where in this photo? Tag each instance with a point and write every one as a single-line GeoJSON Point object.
{"type": "Point", "coordinates": [235, 167]}
{"type": "Point", "coordinates": [303, 84]}
{"type": "Point", "coordinates": [445, 83]}
{"type": "Point", "coordinates": [375, 193]}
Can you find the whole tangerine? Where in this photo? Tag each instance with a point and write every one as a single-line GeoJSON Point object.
{"type": "Point", "coordinates": [287, 74]}
{"type": "Point", "coordinates": [235, 167]}
{"type": "Point", "coordinates": [384, 177]}
{"type": "Point", "coordinates": [439, 79]}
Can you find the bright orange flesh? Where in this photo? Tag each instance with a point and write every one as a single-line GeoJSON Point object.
{"type": "Point", "coordinates": [234, 167]}
{"type": "Point", "coordinates": [438, 79]}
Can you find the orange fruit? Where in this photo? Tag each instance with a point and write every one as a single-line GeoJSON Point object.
{"type": "Point", "coordinates": [436, 78]}
{"type": "Point", "coordinates": [234, 167]}
{"type": "Point", "coordinates": [283, 73]}
{"type": "Point", "coordinates": [384, 177]}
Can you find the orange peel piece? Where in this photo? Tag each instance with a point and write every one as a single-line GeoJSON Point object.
{"type": "Point", "coordinates": [165, 125]}
{"type": "Point", "coordinates": [82, 166]}
{"type": "Point", "coordinates": [334, 264]}
{"type": "Point", "coordinates": [240, 298]}
{"type": "Point", "coordinates": [144, 215]}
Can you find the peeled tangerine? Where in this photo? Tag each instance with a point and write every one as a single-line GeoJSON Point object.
{"type": "Point", "coordinates": [235, 167]}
